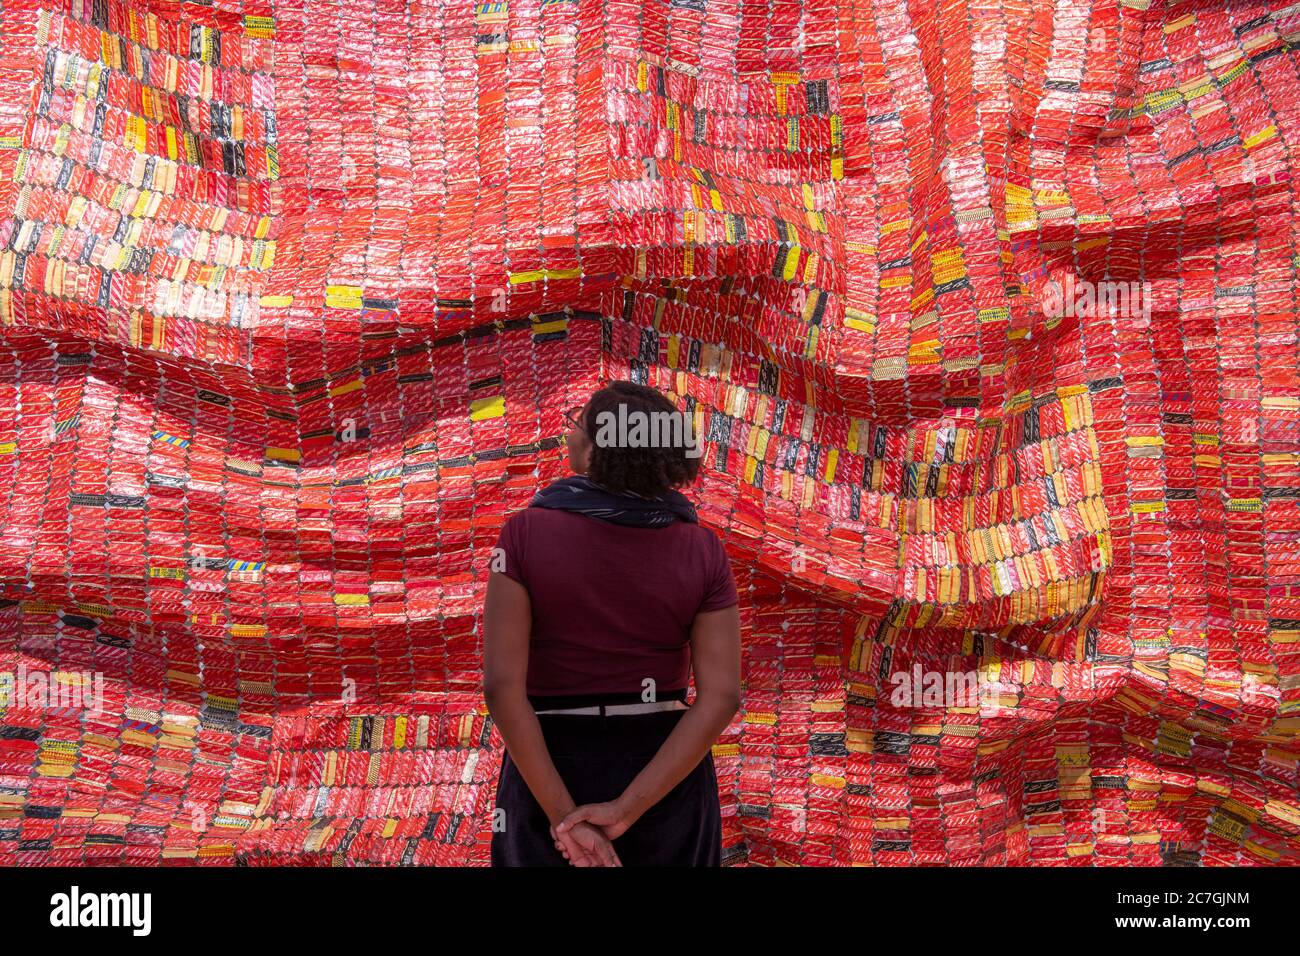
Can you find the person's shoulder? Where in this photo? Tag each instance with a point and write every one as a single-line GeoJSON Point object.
{"type": "Point", "coordinates": [705, 537]}
{"type": "Point", "coordinates": [705, 530]}
{"type": "Point", "coordinates": [519, 517]}
{"type": "Point", "coordinates": [531, 514]}
{"type": "Point", "coordinates": [518, 522]}
{"type": "Point", "coordinates": [531, 517]}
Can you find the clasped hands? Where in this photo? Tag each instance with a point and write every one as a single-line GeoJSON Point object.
{"type": "Point", "coordinates": [585, 836]}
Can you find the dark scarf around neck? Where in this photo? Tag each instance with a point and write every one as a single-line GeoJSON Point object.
{"type": "Point", "coordinates": [579, 493]}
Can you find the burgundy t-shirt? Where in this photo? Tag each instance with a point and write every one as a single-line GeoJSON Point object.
{"type": "Point", "coordinates": [612, 604]}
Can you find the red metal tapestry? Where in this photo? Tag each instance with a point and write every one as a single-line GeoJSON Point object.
{"type": "Point", "coordinates": [987, 310]}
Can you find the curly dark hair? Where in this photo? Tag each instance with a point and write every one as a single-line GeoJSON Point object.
{"type": "Point", "coordinates": [648, 470]}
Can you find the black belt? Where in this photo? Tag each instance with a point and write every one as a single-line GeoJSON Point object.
{"type": "Point", "coordinates": [568, 701]}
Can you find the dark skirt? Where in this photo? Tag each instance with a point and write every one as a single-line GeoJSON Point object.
{"type": "Point", "coordinates": [597, 757]}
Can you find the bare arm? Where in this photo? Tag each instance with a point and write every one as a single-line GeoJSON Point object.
{"type": "Point", "coordinates": [507, 624]}
{"type": "Point", "coordinates": [715, 660]}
